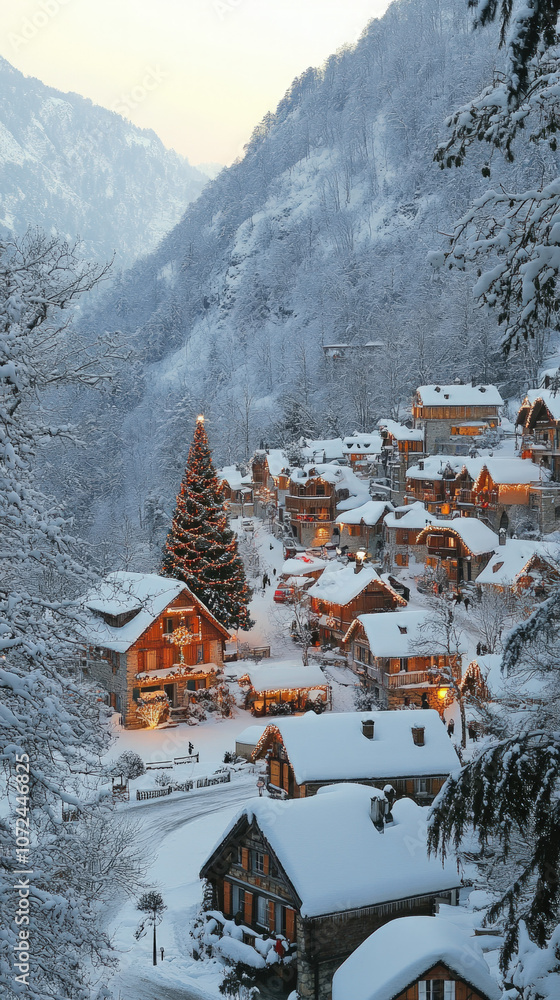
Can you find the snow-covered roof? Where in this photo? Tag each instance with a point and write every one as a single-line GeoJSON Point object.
{"type": "Point", "coordinates": [332, 747]}
{"type": "Point", "coordinates": [355, 865]}
{"type": "Point", "coordinates": [277, 460]}
{"type": "Point", "coordinates": [400, 432]}
{"type": "Point", "coordinates": [330, 448]}
{"type": "Point", "coordinates": [509, 561]}
{"type": "Point", "coordinates": [433, 467]}
{"type": "Point", "coordinates": [340, 584]}
{"type": "Point", "coordinates": [342, 477]}
{"type": "Point", "coordinates": [401, 951]}
{"type": "Point", "coordinates": [475, 535]}
{"type": "Point", "coordinates": [233, 477]}
{"type": "Point", "coordinates": [400, 633]}
{"type": "Point", "coordinates": [120, 593]}
{"type": "Point", "coordinates": [550, 400]}
{"type": "Point", "coordinates": [301, 565]}
{"type": "Point", "coordinates": [363, 444]}
{"type": "Point", "coordinates": [459, 395]}
{"type": "Point", "coordinates": [368, 513]}
{"type": "Point", "coordinates": [284, 675]}
{"type": "Point", "coordinates": [251, 735]}
{"type": "Point", "coordinates": [511, 471]}
{"type": "Point", "coordinates": [415, 517]}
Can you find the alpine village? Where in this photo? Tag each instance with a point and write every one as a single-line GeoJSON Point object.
{"type": "Point", "coordinates": [280, 506]}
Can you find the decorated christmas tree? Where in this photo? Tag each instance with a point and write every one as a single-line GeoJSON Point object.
{"type": "Point", "coordinates": [201, 549]}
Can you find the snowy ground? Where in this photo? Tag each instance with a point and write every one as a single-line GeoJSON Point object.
{"type": "Point", "coordinates": [181, 829]}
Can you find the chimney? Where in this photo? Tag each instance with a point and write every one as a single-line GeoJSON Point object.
{"type": "Point", "coordinates": [418, 735]}
{"type": "Point", "coordinates": [368, 726]}
{"type": "Point", "coordinates": [378, 808]}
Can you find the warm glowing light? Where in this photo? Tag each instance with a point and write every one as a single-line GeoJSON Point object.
{"type": "Point", "coordinates": [442, 693]}
{"type": "Point", "coordinates": [200, 418]}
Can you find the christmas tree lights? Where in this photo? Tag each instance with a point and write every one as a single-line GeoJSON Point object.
{"type": "Point", "coordinates": [201, 549]}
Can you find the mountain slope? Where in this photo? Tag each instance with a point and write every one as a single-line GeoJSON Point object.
{"type": "Point", "coordinates": [318, 236]}
{"type": "Point", "coordinates": [70, 165]}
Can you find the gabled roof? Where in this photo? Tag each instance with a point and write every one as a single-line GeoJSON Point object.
{"type": "Point", "coordinates": [340, 584]}
{"type": "Point", "coordinates": [233, 477]}
{"type": "Point", "coordinates": [302, 565]}
{"type": "Point", "coordinates": [363, 444]}
{"type": "Point", "coordinates": [399, 633]}
{"type": "Point", "coordinates": [277, 461]}
{"type": "Point", "coordinates": [355, 865]}
{"type": "Point", "coordinates": [368, 513]}
{"type": "Point", "coordinates": [476, 536]}
{"type": "Point", "coordinates": [332, 747]}
{"type": "Point", "coordinates": [415, 517]}
{"type": "Point", "coordinates": [147, 594]}
{"type": "Point", "coordinates": [400, 432]}
{"type": "Point", "coordinates": [397, 954]}
{"type": "Point", "coordinates": [512, 560]}
{"type": "Point", "coordinates": [546, 397]}
{"type": "Point", "coordinates": [459, 395]}
{"type": "Point", "coordinates": [330, 448]}
{"type": "Point", "coordinates": [275, 675]}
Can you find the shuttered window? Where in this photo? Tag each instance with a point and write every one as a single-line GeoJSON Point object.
{"type": "Point", "coordinates": [227, 899]}
{"type": "Point", "coordinates": [248, 915]}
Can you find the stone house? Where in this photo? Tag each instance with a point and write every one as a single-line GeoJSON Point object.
{"type": "Point", "coordinates": [453, 416]}
{"type": "Point", "coordinates": [409, 750]}
{"type": "Point", "coordinates": [131, 637]}
{"type": "Point", "coordinates": [315, 495]}
{"type": "Point", "coordinates": [417, 958]}
{"type": "Point", "coordinates": [362, 527]}
{"type": "Point", "coordinates": [401, 530]}
{"type": "Point", "coordinates": [324, 872]}
{"type": "Point", "coordinates": [342, 592]}
{"type": "Point", "coordinates": [402, 446]}
{"type": "Point", "coordinates": [401, 658]}
{"type": "Point", "coordinates": [461, 548]}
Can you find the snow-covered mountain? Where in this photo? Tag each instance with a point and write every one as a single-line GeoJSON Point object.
{"type": "Point", "coordinates": [69, 165]}
{"type": "Point", "coordinates": [318, 236]}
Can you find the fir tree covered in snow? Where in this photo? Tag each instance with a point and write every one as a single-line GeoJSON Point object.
{"type": "Point", "coordinates": [201, 549]}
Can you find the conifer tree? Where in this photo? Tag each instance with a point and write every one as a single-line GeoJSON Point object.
{"type": "Point", "coordinates": [201, 549]}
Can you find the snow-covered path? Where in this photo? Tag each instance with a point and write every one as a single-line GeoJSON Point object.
{"type": "Point", "coordinates": [180, 830]}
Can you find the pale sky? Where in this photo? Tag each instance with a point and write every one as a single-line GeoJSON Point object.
{"type": "Point", "coordinates": [201, 73]}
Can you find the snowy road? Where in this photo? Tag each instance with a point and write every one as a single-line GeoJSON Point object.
{"type": "Point", "coordinates": [182, 829]}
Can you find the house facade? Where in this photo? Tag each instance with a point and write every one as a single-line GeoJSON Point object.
{"type": "Point", "coordinates": [452, 416]}
{"type": "Point", "coordinates": [401, 659]}
{"type": "Point", "coordinates": [135, 625]}
{"type": "Point", "coordinates": [314, 495]}
{"type": "Point", "coordinates": [362, 527]}
{"type": "Point", "coordinates": [458, 550]}
{"type": "Point", "coordinates": [401, 529]}
{"type": "Point", "coordinates": [276, 868]}
{"type": "Point", "coordinates": [438, 960]}
{"type": "Point", "coordinates": [410, 751]}
{"type": "Point", "coordinates": [402, 446]}
{"type": "Point", "coordinates": [342, 592]}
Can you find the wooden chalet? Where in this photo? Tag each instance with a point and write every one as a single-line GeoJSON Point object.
{"type": "Point", "coordinates": [278, 686]}
{"type": "Point", "coordinates": [322, 873]}
{"type": "Point", "coordinates": [399, 658]}
{"type": "Point", "coordinates": [311, 504]}
{"type": "Point", "coordinates": [461, 548]}
{"type": "Point", "coordinates": [539, 422]}
{"type": "Point", "coordinates": [410, 751]}
{"type": "Point", "coordinates": [417, 958]}
{"type": "Point", "coordinates": [451, 415]}
{"type": "Point", "coordinates": [402, 446]}
{"type": "Point", "coordinates": [522, 566]}
{"type": "Point", "coordinates": [401, 530]}
{"type": "Point", "coordinates": [238, 491]}
{"type": "Point", "coordinates": [342, 592]}
{"type": "Point", "coordinates": [148, 635]}
{"type": "Point", "coordinates": [362, 527]}
{"type": "Point", "coordinates": [363, 451]}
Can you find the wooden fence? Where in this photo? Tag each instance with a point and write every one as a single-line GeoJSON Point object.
{"type": "Point", "coordinates": [185, 786]}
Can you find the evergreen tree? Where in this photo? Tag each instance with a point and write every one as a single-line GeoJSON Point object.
{"type": "Point", "coordinates": [201, 549]}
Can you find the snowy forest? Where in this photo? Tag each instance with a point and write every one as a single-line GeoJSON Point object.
{"type": "Point", "coordinates": [280, 533]}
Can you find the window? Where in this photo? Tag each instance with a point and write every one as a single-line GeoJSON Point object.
{"type": "Point", "coordinates": [258, 862]}
{"type": "Point", "coordinates": [200, 654]}
{"type": "Point", "coordinates": [423, 786]}
{"type": "Point", "coordinates": [150, 659]}
{"type": "Point", "coordinates": [167, 625]}
{"type": "Point", "coordinates": [262, 911]}
{"type": "Point", "coordinates": [436, 989]}
{"type": "Point", "coordinates": [238, 898]}
{"type": "Point", "coordinates": [279, 919]}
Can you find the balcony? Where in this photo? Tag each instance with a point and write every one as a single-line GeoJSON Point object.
{"type": "Point", "coordinates": [411, 678]}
